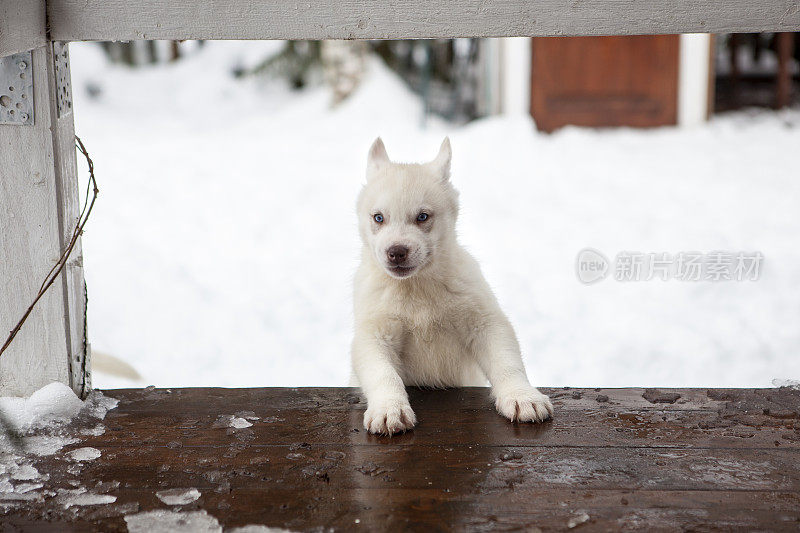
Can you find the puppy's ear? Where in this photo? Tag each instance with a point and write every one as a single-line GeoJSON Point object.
{"type": "Point", "coordinates": [377, 157]}
{"type": "Point", "coordinates": [441, 164]}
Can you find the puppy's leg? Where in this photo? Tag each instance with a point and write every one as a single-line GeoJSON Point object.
{"type": "Point", "coordinates": [498, 354]}
{"type": "Point", "coordinates": [375, 356]}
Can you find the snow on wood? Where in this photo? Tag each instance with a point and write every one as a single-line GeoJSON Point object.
{"type": "Point", "coordinates": [174, 521]}
{"type": "Point", "coordinates": [53, 404]}
{"type": "Point", "coordinates": [84, 454]}
{"type": "Point", "coordinates": [178, 496]}
{"type": "Point", "coordinates": [37, 428]}
{"type": "Point", "coordinates": [45, 414]}
{"type": "Point", "coordinates": [81, 497]}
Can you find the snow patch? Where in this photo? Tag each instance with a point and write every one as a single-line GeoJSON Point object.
{"type": "Point", "coordinates": [178, 496]}
{"type": "Point", "coordinates": [41, 425]}
{"type": "Point", "coordinates": [17, 496]}
{"type": "Point", "coordinates": [172, 522]}
{"type": "Point", "coordinates": [6, 486]}
{"type": "Point", "coordinates": [37, 424]}
{"type": "Point", "coordinates": [23, 488]}
{"type": "Point", "coordinates": [240, 423]}
{"type": "Point", "coordinates": [19, 479]}
{"type": "Point", "coordinates": [81, 497]}
{"type": "Point", "coordinates": [231, 421]}
{"type": "Point", "coordinates": [19, 472]}
{"type": "Point", "coordinates": [47, 443]}
{"type": "Point", "coordinates": [578, 519]}
{"type": "Point", "coordinates": [52, 404]}
{"type": "Point", "coordinates": [791, 383]}
{"type": "Point", "coordinates": [258, 529]}
{"type": "Point", "coordinates": [84, 454]}
{"type": "Point", "coordinates": [95, 431]}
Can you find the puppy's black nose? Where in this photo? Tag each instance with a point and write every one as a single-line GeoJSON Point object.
{"type": "Point", "coordinates": [397, 254]}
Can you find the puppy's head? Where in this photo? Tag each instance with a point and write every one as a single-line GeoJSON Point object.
{"type": "Point", "coordinates": [407, 212]}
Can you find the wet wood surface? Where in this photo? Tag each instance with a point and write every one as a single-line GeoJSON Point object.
{"type": "Point", "coordinates": [299, 459]}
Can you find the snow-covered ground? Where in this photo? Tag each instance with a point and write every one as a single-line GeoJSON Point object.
{"type": "Point", "coordinates": [223, 245]}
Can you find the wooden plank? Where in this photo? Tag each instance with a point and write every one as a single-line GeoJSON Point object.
{"type": "Point", "coordinates": [283, 471]}
{"type": "Point", "coordinates": [333, 417]}
{"type": "Point", "coordinates": [39, 197]}
{"type": "Point", "coordinates": [327, 508]}
{"type": "Point", "coordinates": [79, 20]}
{"type": "Point", "coordinates": [22, 26]}
{"type": "Point", "coordinates": [470, 398]}
{"type": "Point", "coordinates": [481, 466]}
{"type": "Point", "coordinates": [624, 430]}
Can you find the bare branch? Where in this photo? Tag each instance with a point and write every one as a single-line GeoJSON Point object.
{"type": "Point", "coordinates": [52, 276]}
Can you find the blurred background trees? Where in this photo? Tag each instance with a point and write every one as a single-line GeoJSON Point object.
{"type": "Point", "coordinates": [590, 81]}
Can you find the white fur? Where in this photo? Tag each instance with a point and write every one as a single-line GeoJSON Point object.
{"type": "Point", "coordinates": [437, 322]}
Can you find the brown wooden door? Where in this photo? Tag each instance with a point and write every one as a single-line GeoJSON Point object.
{"type": "Point", "coordinates": [604, 81]}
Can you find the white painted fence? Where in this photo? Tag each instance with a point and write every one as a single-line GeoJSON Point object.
{"type": "Point", "coordinates": [38, 185]}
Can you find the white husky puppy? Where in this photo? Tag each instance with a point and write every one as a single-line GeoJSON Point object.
{"type": "Point", "coordinates": [424, 315]}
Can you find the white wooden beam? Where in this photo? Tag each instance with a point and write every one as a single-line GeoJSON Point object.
{"type": "Point", "coordinates": [22, 26]}
{"type": "Point", "coordinates": [38, 209]}
{"type": "Point", "coordinates": [80, 20]}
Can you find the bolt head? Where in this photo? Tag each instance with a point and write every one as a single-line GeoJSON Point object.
{"type": "Point", "coordinates": [23, 116]}
{"type": "Point", "coordinates": [22, 65]}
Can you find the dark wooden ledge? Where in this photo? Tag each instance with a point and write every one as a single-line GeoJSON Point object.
{"type": "Point", "coordinates": [612, 459]}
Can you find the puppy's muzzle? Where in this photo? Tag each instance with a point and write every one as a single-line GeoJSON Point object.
{"type": "Point", "coordinates": [397, 254]}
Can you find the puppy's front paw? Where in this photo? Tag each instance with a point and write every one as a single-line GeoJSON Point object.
{"type": "Point", "coordinates": [524, 406]}
{"type": "Point", "coordinates": [389, 417]}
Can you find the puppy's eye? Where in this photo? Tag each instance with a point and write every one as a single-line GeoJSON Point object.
{"type": "Point", "coordinates": [422, 217]}
{"type": "Point", "coordinates": [377, 217]}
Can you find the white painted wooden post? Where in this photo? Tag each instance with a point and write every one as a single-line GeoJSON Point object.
{"type": "Point", "coordinates": [38, 209]}
{"type": "Point", "coordinates": [693, 78]}
{"type": "Point", "coordinates": [68, 203]}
